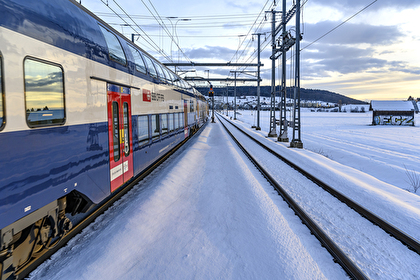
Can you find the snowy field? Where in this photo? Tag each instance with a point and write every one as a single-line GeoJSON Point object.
{"type": "Point", "coordinates": [388, 153]}
{"type": "Point", "coordinates": [208, 214]}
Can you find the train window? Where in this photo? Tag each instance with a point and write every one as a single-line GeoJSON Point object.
{"type": "Point", "coordinates": [155, 126]}
{"type": "Point", "coordinates": [186, 86]}
{"type": "Point", "coordinates": [126, 130]}
{"type": "Point", "coordinates": [44, 93]}
{"type": "Point", "coordinates": [164, 74]}
{"type": "Point", "coordinates": [115, 50]}
{"type": "Point", "coordinates": [150, 66]}
{"type": "Point", "coordinates": [2, 118]}
{"type": "Point", "coordinates": [143, 129]}
{"type": "Point", "coordinates": [176, 121]}
{"type": "Point", "coordinates": [138, 60]}
{"type": "Point", "coordinates": [116, 131]}
{"type": "Point", "coordinates": [171, 122]}
{"type": "Point", "coordinates": [191, 106]}
{"type": "Point", "coordinates": [168, 75]}
{"type": "Point", "coordinates": [159, 71]}
{"type": "Point", "coordinates": [164, 124]}
{"type": "Point", "coordinates": [177, 80]}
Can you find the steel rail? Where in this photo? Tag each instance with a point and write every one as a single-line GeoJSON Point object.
{"type": "Point", "coordinates": [339, 256]}
{"type": "Point", "coordinates": [398, 234]}
{"type": "Point", "coordinates": [24, 271]}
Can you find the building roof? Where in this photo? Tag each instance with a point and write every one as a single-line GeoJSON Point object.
{"type": "Point", "coordinates": [391, 105]}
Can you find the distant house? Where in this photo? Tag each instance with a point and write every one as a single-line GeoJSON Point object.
{"type": "Point", "coordinates": [392, 112]}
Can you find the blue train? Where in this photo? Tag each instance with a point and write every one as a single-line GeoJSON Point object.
{"type": "Point", "coordinates": [83, 110]}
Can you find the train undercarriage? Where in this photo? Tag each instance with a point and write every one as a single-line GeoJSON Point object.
{"type": "Point", "coordinates": [41, 230]}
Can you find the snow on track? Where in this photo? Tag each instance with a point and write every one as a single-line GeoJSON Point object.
{"type": "Point", "coordinates": [361, 240]}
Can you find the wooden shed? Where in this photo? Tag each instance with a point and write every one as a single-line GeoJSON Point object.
{"type": "Point", "coordinates": [392, 112]}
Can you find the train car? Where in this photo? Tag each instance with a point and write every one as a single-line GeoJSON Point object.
{"type": "Point", "coordinates": [83, 111]}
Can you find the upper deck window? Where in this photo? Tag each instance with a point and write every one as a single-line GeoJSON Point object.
{"type": "Point", "coordinates": [168, 74]}
{"type": "Point", "coordinates": [44, 93]}
{"type": "Point", "coordinates": [150, 66]}
{"type": "Point", "coordinates": [138, 60]}
{"type": "Point", "coordinates": [160, 71]}
{"type": "Point", "coordinates": [115, 50]}
{"type": "Point", "coordinates": [2, 118]}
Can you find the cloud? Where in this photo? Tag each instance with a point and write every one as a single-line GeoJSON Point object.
{"type": "Point", "coordinates": [244, 7]}
{"type": "Point", "coordinates": [210, 52]}
{"type": "Point", "coordinates": [345, 60]}
{"type": "Point", "coordinates": [350, 49]}
{"type": "Point", "coordinates": [357, 4]}
{"type": "Point", "coordinates": [352, 33]}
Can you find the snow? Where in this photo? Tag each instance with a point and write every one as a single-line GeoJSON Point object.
{"type": "Point", "coordinates": [208, 214]}
{"type": "Point", "coordinates": [392, 105]}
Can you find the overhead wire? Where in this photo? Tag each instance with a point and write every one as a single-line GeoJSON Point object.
{"type": "Point", "coordinates": [267, 42]}
{"type": "Point", "coordinates": [163, 25]}
{"type": "Point", "coordinates": [338, 25]}
{"type": "Point", "coordinates": [262, 10]}
{"type": "Point", "coordinates": [151, 42]}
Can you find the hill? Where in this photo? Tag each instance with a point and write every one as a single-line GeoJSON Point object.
{"type": "Point", "coordinates": [305, 94]}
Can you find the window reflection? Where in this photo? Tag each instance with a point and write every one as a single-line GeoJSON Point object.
{"type": "Point", "coordinates": [116, 131]}
{"type": "Point", "coordinates": [138, 60]}
{"type": "Point", "coordinates": [44, 94]}
{"type": "Point", "coordinates": [150, 66]}
{"type": "Point", "coordinates": [143, 129]}
{"type": "Point", "coordinates": [126, 116]}
{"type": "Point", "coordinates": [155, 126]}
{"type": "Point", "coordinates": [1, 96]}
{"type": "Point", "coordinates": [171, 122]}
{"type": "Point", "coordinates": [160, 72]}
{"type": "Point", "coordinates": [115, 50]}
{"type": "Point", "coordinates": [164, 124]}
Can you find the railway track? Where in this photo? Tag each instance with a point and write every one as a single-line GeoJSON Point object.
{"type": "Point", "coordinates": [100, 209]}
{"type": "Point", "coordinates": [340, 257]}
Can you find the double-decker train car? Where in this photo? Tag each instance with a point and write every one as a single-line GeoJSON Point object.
{"type": "Point", "coordinates": [83, 110]}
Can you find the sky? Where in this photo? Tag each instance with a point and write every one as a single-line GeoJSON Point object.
{"type": "Point", "coordinates": [372, 55]}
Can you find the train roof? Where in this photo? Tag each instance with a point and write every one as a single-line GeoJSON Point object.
{"type": "Point", "coordinates": [68, 25]}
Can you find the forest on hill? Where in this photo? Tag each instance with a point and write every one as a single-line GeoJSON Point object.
{"type": "Point", "coordinates": [305, 94]}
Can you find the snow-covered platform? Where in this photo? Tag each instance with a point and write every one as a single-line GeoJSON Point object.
{"type": "Point", "coordinates": [206, 214]}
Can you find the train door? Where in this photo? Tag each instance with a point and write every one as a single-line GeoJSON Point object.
{"type": "Point", "coordinates": [120, 135]}
{"type": "Point", "coordinates": [185, 118]}
{"type": "Point", "coordinates": [198, 112]}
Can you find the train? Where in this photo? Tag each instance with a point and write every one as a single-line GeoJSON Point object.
{"type": "Point", "coordinates": [83, 111]}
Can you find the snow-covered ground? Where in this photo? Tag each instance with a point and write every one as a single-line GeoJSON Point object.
{"type": "Point", "coordinates": [388, 153]}
{"type": "Point", "coordinates": [375, 252]}
{"type": "Point", "coordinates": [208, 214]}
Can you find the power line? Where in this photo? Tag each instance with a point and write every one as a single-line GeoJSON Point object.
{"type": "Point", "coordinates": [196, 18]}
{"type": "Point", "coordinates": [262, 10]}
{"type": "Point", "coordinates": [151, 42]}
{"type": "Point", "coordinates": [267, 42]}
{"type": "Point", "coordinates": [339, 25]}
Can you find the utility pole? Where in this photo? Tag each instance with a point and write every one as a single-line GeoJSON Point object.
{"type": "Point", "coordinates": [258, 127]}
{"type": "Point", "coordinates": [234, 104]}
{"type": "Point", "coordinates": [272, 132]}
{"type": "Point", "coordinates": [283, 121]}
{"type": "Point", "coordinates": [211, 94]}
{"type": "Point", "coordinates": [234, 109]}
{"type": "Point", "coordinates": [296, 141]}
{"type": "Point", "coordinates": [227, 99]}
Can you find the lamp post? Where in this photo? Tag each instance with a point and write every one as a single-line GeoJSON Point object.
{"type": "Point", "coordinates": [174, 33]}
